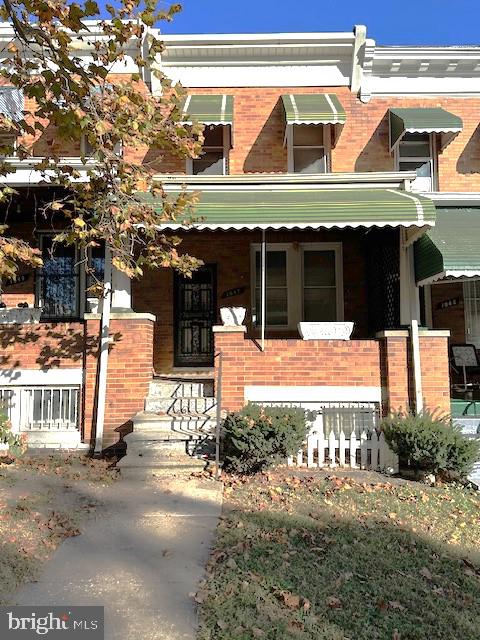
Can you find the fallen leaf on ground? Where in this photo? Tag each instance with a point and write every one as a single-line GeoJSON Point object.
{"type": "Point", "coordinates": [333, 602]}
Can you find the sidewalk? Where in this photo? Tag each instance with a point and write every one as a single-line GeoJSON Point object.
{"type": "Point", "coordinates": [140, 559]}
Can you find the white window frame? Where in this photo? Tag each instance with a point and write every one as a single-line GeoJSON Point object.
{"type": "Point", "coordinates": [326, 146]}
{"type": "Point", "coordinates": [432, 159]}
{"type": "Point", "coordinates": [295, 279]}
{"type": "Point", "coordinates": [225, 149]}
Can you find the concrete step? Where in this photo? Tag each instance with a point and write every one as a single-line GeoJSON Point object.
{"type": "Point", "coordinates": [186, 424]}
{"type": "Point", "coordinates": [172, 388]}
{"type": "Point", "coordinates": [190, 405]}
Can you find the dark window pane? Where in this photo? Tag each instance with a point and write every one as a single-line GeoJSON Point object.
{"type": "Point", "coordinates": [319, 268]}
{"type": "Point", "coordinates": [58, 280]}
{"type": "Point", "coordinates": [276, 268]}
{"type": "Point", "coordinates": [213, 135]}
{"type": "Point", "coordinates": [423, 169]}
{"type": "Point", "coordinates": [307, 135]}
{"type": "Point", "coordinates": [309, 160]}
{"type": "Point", "coordinates": [209, 163]}
{"type": "Point", "coordinates": [277, 306]}
{"type": "Point", "coordinates": [320, 305]}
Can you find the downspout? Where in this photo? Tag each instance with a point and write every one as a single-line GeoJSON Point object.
{"type": "Point", "coordinates": [103, 358]}
{"type": "Point", "coordinates": [263, 287]}
{"type": "Point", "coordinates": [417, 369]}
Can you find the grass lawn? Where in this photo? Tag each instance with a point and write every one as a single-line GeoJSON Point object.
{"type": "Point", "coordinates": [43, 500]}
{"type": "Point", "coordinates": [330, 558]}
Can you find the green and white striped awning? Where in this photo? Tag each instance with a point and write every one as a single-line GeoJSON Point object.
{"type": "Point", "coordinates": [209, 109]}
{"type": "Point", "coordinates": [423, 120]}
{"type": "Point", "coordinates": [304, 208]}
{"type": "Point", "coordinates": [318, 108]}
{"type": "Point", "coordinates": [451, 248]}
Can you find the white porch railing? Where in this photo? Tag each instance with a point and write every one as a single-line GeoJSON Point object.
{"type": "Point", "coordinates": [332, 449]}
{"type": "Point", "coordinates": [42, 408]}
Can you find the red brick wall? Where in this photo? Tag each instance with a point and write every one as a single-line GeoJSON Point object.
{"type": "Point", "coordinates": [259, 128]}
{"type": "Point", "coordinates": [38, 346]}
{"type": "Point", "coordinates": [230, 251]}
{"type": "Point", "coordinates": [397, 373]}
{"type": "Point", "coordinates": [357, 363]}
{"type": "Point", "coordinates": [71, 345]}
{"type": "Point", "coordinates": [395, 378]}
{"type": "Point", "coordinates": [129, 374]}
{"type": "Point", "coordinates": [435, 373]}
{"type": "Point", "coordinates": [294, 362]}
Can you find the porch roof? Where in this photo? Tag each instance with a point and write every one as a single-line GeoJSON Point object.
{"type": "Point", "coordinates": [450, 249]}
{"type": "Point", "coordinates": [423, 120]}
{"type": "Point", "coordinates": [304, 207]}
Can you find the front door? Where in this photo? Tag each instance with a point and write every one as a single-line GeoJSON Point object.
{"type": "Point", "coordinates": [194, 316]}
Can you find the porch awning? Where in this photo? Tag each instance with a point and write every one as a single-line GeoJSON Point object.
{"type": "Point", "coordinates": [319, 108]}
{"type": "Point", "coordinates": [424, 120]}
{"type": "Point", "coordinates": [303, 208]}
{"type": "Point", "coordinates": [451, 248]}
{"type": "Point", "coordinates": [209, 109]}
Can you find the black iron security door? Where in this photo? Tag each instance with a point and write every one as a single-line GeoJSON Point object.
{"type": "Point", "coordinates": [194, 316]}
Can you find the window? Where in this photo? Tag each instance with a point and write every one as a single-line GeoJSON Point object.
{"type": "Point", "coordinates": [214, 157]}
{"type": "Point", "coordinates": [277, 291]}
{"type": "Point", "coordinates": [471, 296]}
{"type": "Point", "coordinates": [415, 153]}
{"type": "Point", "coordinates": [307, 148]}
{"type": "Point", "coordinates": [58, 280]}
{"type": "Point", "coordinates": [304, 282]}
{"type": "Point", "coordinates": [63, 277]}
{"type": "Point", "coordinates": [42, 408]}
{"type": "Point", "coordinates": [319, 286]}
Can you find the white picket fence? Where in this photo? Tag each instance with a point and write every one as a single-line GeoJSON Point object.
{"type": "Point", "coordinates": [369, 451]}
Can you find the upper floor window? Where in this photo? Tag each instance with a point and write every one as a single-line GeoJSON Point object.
{"type": "Point", "coordinates": [308, 149]}
{"type": "Point", "coordinates": [213, 160]}
{"type": "Point", "coordinates": [416, 152]}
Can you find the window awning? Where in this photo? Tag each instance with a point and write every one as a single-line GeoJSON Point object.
{"type": "Point", "coordinates": [303, 208]}
{"type": "Point", "coordinates": [209, 109]}
{"type": "Point", "coordinates": [451, 248]}
{"type": "Point", "coordinates": [423, 120]}
{"type": "Point", "coordinates": [318, 108]}
{"type": "Point", "coordinates": [12, 103]}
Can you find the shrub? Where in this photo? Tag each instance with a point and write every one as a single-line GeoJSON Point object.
{"type": "Point", "coordinates": [16, 442]}
{"type": "Point", "coordinates": [257, 437]}
{"type": "Point", "coordinates": [431, 444]}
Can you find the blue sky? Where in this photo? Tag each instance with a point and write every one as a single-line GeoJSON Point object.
{"type": "Point", "coordinates": [388, 21]}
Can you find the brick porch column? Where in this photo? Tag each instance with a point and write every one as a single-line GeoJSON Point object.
{"type": "Point", "coordinates": [130, 370]}
{"type": "Point", "coordinates": [397, 370]}
{"type": "Point", "coordinates": [230, 342]}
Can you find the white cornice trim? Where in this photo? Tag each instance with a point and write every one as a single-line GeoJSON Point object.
{"type": "Point", "coordinates": [454, 199]}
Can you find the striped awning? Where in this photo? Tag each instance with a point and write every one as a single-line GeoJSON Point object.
{"type": "Point", "coordinates": [12, 103]}
{"type": "Point", "coordinates": [209, 109]}
{"type": "Point", "coordinates": [303, 208]}
{"type": "Point", "coordinates": [450, 249]}
{"type": "Point", "coordinates": [318, 108]}
{"type": "Point", "coordinates": [424, 120]}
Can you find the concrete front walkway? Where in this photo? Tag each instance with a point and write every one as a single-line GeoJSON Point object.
{"type": "Point", "coordinates": [140, 558]}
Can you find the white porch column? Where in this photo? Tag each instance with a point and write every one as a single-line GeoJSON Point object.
{"type": "Point", "coordinates": [409, 293]}
{"type": "Point", "coordinates": [121, 291]}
